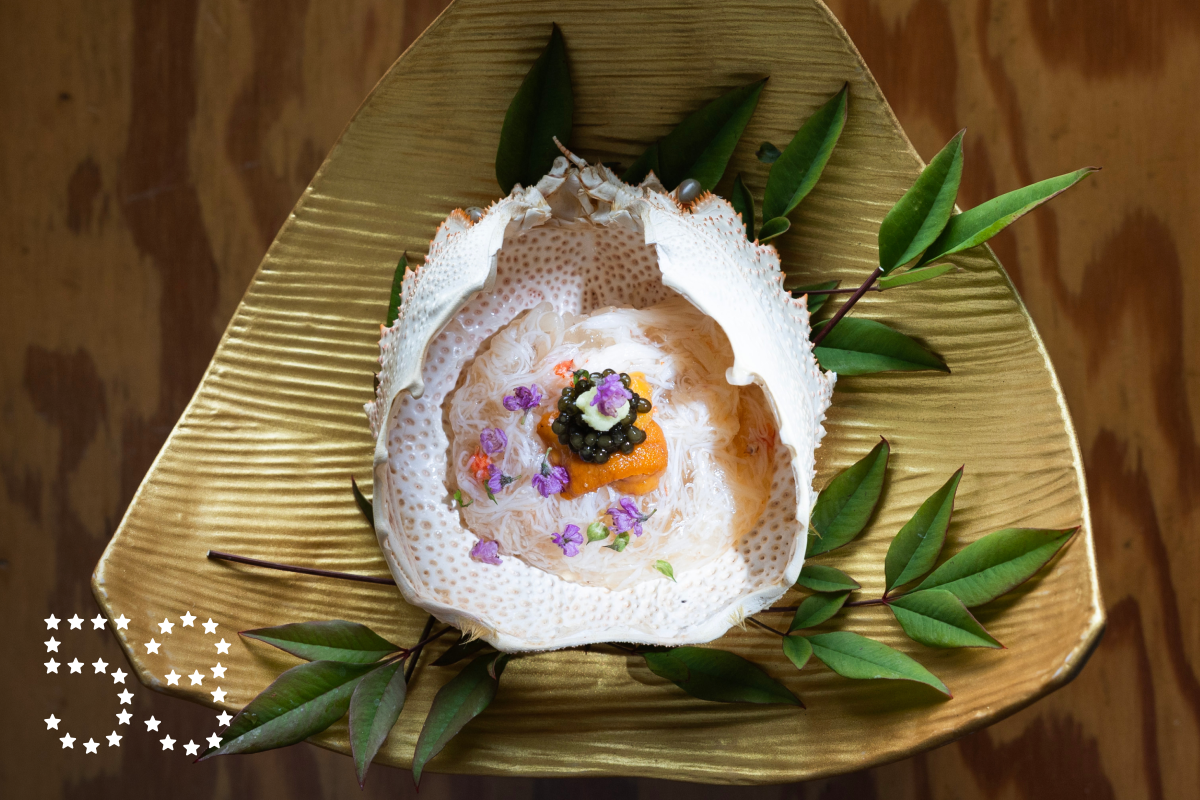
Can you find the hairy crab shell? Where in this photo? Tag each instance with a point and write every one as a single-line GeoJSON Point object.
{"type": "Point", "coordinates": [562, 242]}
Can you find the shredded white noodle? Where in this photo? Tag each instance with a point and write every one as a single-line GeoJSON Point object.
{"type": "Point", "coordinates": [720, 440]}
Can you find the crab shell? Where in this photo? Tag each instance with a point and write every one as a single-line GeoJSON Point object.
{"type": "Point", "coordinates": [583, 240]}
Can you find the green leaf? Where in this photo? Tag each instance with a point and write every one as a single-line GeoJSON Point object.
{"type": "Point", "coordinates": [300, 703]}
{"type": "Point", "coordinates": [919, 216]}
{"type": "Point", "coordinates": [997, 563]}
{"type": "Point", "coordinates": [461, 649]}
{"type": "Point", "coordinates": [854, 656]}
{"type": "Point", "coordinates": [767, 153]}
{"type": "Point", "coordinates": [665, 569]}
{"type": "Point", "coordinates": [797, 649]}
{"type": "Point", "coordinates": [646, 163]}
{"type": "Point", "coordinates": [540, 110]}
{"type": "Point", "coordinates": [915, 549]}
{"type": "Point", "coordinates": [862, 346]}
{"type": "Point", "coordinates": [846, 504]}
{"type": "Point", "coordinates": [597, 532]}
{"type": "Point", "coordinates": [328, 640]}
{"type": "Point", "coordinates": [718, 675]}
{"type": "Point", "coordinates": [374, 708]}
{"type": "Point", "coordinates": [772, 228]}
{"type": "Point", "coordinates": [743, 203]}
{"type": "Point", "coordinates": [799, 168]}
{"type": "Point", "coordinates": [701, 145]}
{"type": "Point", "coordinates": [937, 618]}
{"type": "Point", "coordinates": [914, 276]}
{"type": "Point", "coordinates": [364, 505]}
{"type": "Point", "coordinates": [458, 702]}
{"type": "Point", "coordinates": [974, 227]}
{"type": "Point", "coordinates": [397, 290]}
{"type": "Point", "coordinates": [620, 542]}
{"type": "Point", "coordinates": [815, 301]}
{"type": "Point", "coordinates": [819, 578]}
{"type": "Point", "coordinates": [816, 609]}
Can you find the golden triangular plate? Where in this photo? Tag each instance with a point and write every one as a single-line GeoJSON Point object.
{"type": "Point", "coordinates": [260, 462]}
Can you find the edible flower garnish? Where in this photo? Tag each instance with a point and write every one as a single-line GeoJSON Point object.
{"type": "Point", "coordinates": [564, 369]}
{"type": "Point", "coordinates": [487, 551]}
{"type": "Point", "coordinates": [597, 532]}
{"type": "Point", "coordinates": [523, 398]}
{"type": "Point", "coordinates": [550, 479]}
{"type": "Point", "coordinates": [569, 540]}
{"type": "Point", "coordinates": [611, 395]}
{"type": "Point", "coordinates": [620, 543]}
{"type": "Point", "coordinates": [627, 517]}
{"type": "Point", "coordinates": [492, 440]}
{"type": "Point", "coordinates": [458, 498]}
{"type": "Point", "coordinates": [496, 482]}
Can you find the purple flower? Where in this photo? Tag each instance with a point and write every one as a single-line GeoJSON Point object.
{"type": "Point", "coordinates": [496, 482]}
{"type": "Point", "coordinates": [523, 398]}
{"type": "Point", "coordinates": [611, 395]}
{"type": "Point", "coordinates": [550, 479]}
{"type": "Point", "coordinates": [626, 517]}
{"type": "Point", "coordinates": [492, 440]}
{"type": "Point", "coordinates": [569, 540]}
{"type": "Point", "coordinates": [487, 551]}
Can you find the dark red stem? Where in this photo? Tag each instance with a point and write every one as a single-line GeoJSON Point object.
{"type": "Point", "coordinates": [414, 652]}
{"type": "Point", "coordinates": [765, 627]}
{"type": "Point", "coordinates": [216, 555]}
{"type": "Point", "coordinates": [839, 291]}
{"type": "Point", "coordinates": [846, 306]}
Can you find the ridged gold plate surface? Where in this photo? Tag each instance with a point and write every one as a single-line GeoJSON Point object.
{"type": "Point", "coordinates": [260, 462]}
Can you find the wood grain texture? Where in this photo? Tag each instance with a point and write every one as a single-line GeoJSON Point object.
{"type": "Point", "coordinates": [94, 370]}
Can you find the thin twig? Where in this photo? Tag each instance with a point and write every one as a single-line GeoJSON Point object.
{"type": "Point", "coordinates": [878, 601]}
{"type": "Point", "coordinates": [216, 555]}
{"type": "Point", "coordinates": [837, 291]}
{"type": "Point", "coordinates": [841, 312]}
{"type": "Point", "coordinates": [765, 627]}
{"type": "Point", "coordinates": [414, 652]}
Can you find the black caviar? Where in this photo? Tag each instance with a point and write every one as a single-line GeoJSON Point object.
{"type": "Point", "coordinates": [584, 440]}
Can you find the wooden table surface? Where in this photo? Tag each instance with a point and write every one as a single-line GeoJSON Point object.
{"type": "Point", "coordinates": [152, 149]}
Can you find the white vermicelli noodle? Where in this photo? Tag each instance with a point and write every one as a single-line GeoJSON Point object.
{"type": "Point", "coordinates": [720, 440]}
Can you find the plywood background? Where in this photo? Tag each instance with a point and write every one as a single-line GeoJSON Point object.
{"type": "Point", "coordinates": [151, 150]}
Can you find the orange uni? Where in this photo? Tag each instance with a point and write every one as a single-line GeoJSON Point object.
{"type": "Point", "coordinates": [636, 473]}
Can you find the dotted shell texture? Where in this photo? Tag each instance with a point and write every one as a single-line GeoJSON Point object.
{"type": "Point", "coordinates": [583, 240]}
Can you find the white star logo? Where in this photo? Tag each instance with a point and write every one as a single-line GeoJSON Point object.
{"type": "Point", "coordinates": [125, 697]}
{"type": "Point", "coordinates": [224, 718]}
{"type": "Point", "coordinates": [152, 647]}
{"type": "Point", "coordinates": [52, 666]}
{"type": "Point", "coordinates": [219, 695]}
{"type": "Point", "coordinates": [218, 671]}
{"type": "Point", "coordinates": [165, 626]}
{"type": "Point", "coordinates": [210, 626]}
{"type": "Point", "coordinates": [168, 743]}
{"type": "Point", "coordinates": [114, 739]}
{"type": "Point", "coordinates": [76, 623]}
{"type": "Point", "coordinates": [222, 647]}
{"type": "Point", "coordinates": [98, 623]}
{"type": "Point", "coordinates": [52, 645]}
{"type": "Point", "coordinates": [152, 724]}
{"type": "Point", "coordinates": [122, 623]}
{"type": "Point", "coordinates": [91, 746]}
{"type": "Point", "coordinates": [76, 666]}
{"type": "Point", "coordinates": [188, 619]}
{"type": "Point", "coordinates": [68, 741]}
{"type": "Point", "coordinates": [119, 676]}
{"type": "Point", "coordinates": [52, 624]}
{"type": "Point", "coordinates": [99, 666]}
{"type": "Point", "coordinates": [173, 678]}
{"type": "Point", "coordinates": [191, 748]}
{"type": "Point", "coordinates": [52, 722]}
{"type": "Point", "coordinates": [196, 677]}
{"type": "Point", "coordinates": [214, 741]}
{"type": "Point", "coordinates": [123, 717]}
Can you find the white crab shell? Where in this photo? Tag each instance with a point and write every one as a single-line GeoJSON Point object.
{"type": "Point", "coordinates": [562, 241]}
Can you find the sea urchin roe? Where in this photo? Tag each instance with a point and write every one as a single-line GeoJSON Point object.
{"type": "Point", "coordinates": [635, 472]}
